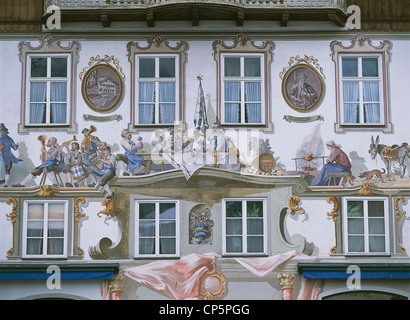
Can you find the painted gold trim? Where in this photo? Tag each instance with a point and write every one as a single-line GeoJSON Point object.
{"type": "Point", "coordinates": [12, 216]}
{"type": "Point", "coordinates": [117, 283]}
{"type": "Point", "coordinates": [294, 204]}
{"type": "Point", "coordinates": [365, 190]}
{"type": "Point", "coordinates": [334, 213]}
{"type": "Point", "coordinates": [45, 191]}
{"type": "Point", "coordinates": [204, 293]}
{"type": "Point", "coordinates": [286, 280]}
{"type": "Point", "coordinates": [108, 207]}
{"type": "Point", "coordinates": [77, 217]}
{"type": "Point", "coordinates": [398, 215]}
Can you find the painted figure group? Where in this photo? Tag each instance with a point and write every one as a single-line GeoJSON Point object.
{"type": "Point", "coordinates": [92, 164]}
{"type": "Point", "coordinates": [89, 164]}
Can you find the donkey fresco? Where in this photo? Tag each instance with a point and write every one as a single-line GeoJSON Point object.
{"type": "Point", "coordinates": [391, 154]}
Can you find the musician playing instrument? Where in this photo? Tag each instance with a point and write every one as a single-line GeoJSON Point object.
{"type": "Point", "coordinates": [90, 144]}
{"type": "Point", "coordinates": [75, 158]}
{"type": "Point", "coordinates": [105, 171]}
{"type": "Point", "coordinates": [130, 157]}
{"type": "Point", "coordinates": [52, 158]}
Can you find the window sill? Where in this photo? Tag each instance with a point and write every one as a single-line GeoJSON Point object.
{"type": "Point", "coordinates": [47, 127]}
{"type": "Point", "coordinates": [385, 128]}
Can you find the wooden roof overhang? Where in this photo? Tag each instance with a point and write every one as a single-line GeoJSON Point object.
{"type": "Point", "coordinates": [196, 11]}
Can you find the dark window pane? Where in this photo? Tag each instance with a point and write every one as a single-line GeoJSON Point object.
{"type": "Point", "coordinates": [355, 208]}
{"type": "Point", "coordinates": [233, 244]}
{"type": "Point", "coordinates": [370, 67]}
{"type": "Point", "coordinates": [35, 228]}
{"type": "Point", "coordinates": [252, 67]}
{"type": "Point", "coordinates": [167, 67]}
{"type": "Point", "coordinates": [254, 208]}
{"type": "Point", "coordinates": [232, 67]}
{"type": "Point", "coordinates": [349, 67]}
{"type": "Point", "coordinates": [147, 228]}
{"type": "Point", "coordinates": [376, 226]}
{"type": "Point", "coordinates": [355, 226]}
{"type": "Point", "coordinates": [233, 208]}
{"type": "Point", "coordinates": [34, 246]}
{"type": "Point", "coordinates": [39, 67]}
{"type": "Point", "coordinates": [356, 244]}
{"type": "Point", "coordinates": [255, 226]}
{"type": "Point", "coordinates": [147, 67]}
{"type": "Point", "coordinates": [376, 208]}
{"type": "Point", "coordinates": [167, 246]}
{"type": "Point", "coordinates": [147, 246]}
{"type": "Point", "coordinates": [167, 228]}
{"type": "Point", "coordinates": [167, 211]}
{"type": "Point", "coordinates": [147, 210]}
{"type": "Point", "coordinates": [377, 244]}
{"type": "Point", "coordinates": [59, 67]}
{"type": "Point", "coordinates": [233, 227]}
{"type": "Point", "coordinates": [255, 244]}
{"type": "Point", "coordinates": [55, 246]}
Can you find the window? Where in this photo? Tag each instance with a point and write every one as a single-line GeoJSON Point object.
{"type": "Point", "coordinates": [49, 85]}
{"type": "Point", "coordinates": [244, 226]}
{"type": "Point", "coordinates": [45, 229]}
{"type": "Point", "coordinates": [158, 71]}
{"type": "Point", "coordinates": [157, 228]}
{"type": "Point", "coordinates": [243, 82]}
{"type": "Point", "coordinates": [362, 85]}
{"type": "Point", "coordinates": [156, 92]}
{"type": "Point", "coordinates": [366, 226]}
{"type": "Point", "coordinates": [47, 94]}
{"type": "Point", "coordinates": [361, 89]}
{"type": "Point", "coordinates": [242, 89]}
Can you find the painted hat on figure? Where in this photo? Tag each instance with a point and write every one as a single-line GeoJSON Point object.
{"type": "Point", "coordinates": [333, 144]}
{"type": "Point", "coordinates": [3, 127]}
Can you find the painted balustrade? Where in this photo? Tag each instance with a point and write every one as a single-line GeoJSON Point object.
{"type": "Point", "coordinates": [135, 4]}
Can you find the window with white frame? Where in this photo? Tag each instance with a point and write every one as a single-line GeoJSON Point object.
{"type": "Point", "coordinates": [362, 85]}
{"type": "Point", "coordinates": [48, 89]}
{"type": "Point", "coordinates": [157, 225]}
{"type": "Point", "coordinates": [243, 88]}
{"type": "Point", "coordinates": [48, 84]}
{"type": "Point", "coordinates": [244, 226]}
{"type": "Point", "coordinates": [45, 229]}
{"type": "Point", "coordinates": [156, 92]}
{"type": "Point", "coordinates": [362, 90]}
{"type": "Point", "coordinates": [366, 226]}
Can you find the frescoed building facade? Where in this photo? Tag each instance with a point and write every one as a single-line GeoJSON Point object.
{"type": "Point", "coordinates": [256, 149]}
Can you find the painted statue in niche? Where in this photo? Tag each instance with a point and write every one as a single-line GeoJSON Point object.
{"type": "Point", "coordinates": [200, 224]}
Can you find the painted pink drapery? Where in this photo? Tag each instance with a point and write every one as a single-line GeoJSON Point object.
{"type": "Point", "coordinates": [263, 266]}
{"type": "Point", "coordinates": [310, 288]}
{"type": "Point", "coordinates": [178, 279]}
{"type": "Point", "coordinates": [181, 279]}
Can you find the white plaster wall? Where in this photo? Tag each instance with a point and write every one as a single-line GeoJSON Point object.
{"type": "Point", "coordinates": [94, 228]}
{"type": "Point", "coordinates": [314, 224]}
